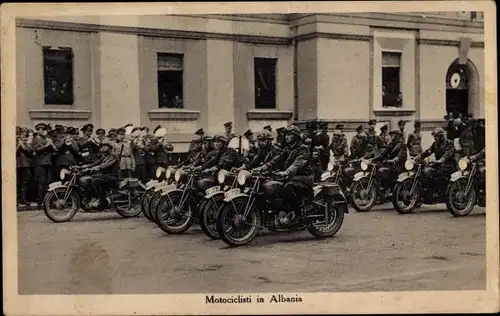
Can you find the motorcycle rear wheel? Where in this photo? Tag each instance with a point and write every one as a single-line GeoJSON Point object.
{"type": "Point", "coordinates": [209, 211]}
{"type": "Point", "coordinates": [454, 207]}
{"type": "Point", "coordinates": [171, 220]}
{"type": "Point", "coordinates": [131, 208]}
{"type": "Point", "coordinates": [356, 188]}
{"type": "Point", "coordinates": [50, 213]}
{"type": "Point", "coordinates": [226, 222]}
{"type": "Point", "coordinates": [403, 188]}
{"type": "Point", "coordinates": [336, 219]}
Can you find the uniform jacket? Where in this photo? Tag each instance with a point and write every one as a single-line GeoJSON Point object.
{"type": "Point", "coordinates": [396, 151]}
{"type": "Point", "coordinates": [382, 141]}
{"type": "Point", "coordinates": [444, 152]}
{"type": "Point", "coordinates": [414, 144]}
{"type": "Point", "coordinates": [89, 150]}
{"type": "Point", "coordinates": [339, 146]}
{"type": "Point", "coordinates": [161, 151]}
{"type": "Point", "coordinates": [226, 158]}
{"type": "Point", "coordinates": [323, 140]}
{"type": "Point", "coordinates": [67, 154]}
{"type": "Point", "coordinates": [24, 156]}
{"type": "Point", "coordinates": [360, 148]}
{"type": "Point", "coordinates": [294, 160]}
{"type": "Point", "coordinates": [43, 151]}
{"type": "Point", "coordinates": [480, 156]}
{"type": "Point", "coordinates": [108, 165]}
{"type": "Point", "coordinates": [466, 140]}
{"type": "Point", "coordinates": [264, 156]}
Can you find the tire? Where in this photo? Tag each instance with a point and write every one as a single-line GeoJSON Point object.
{"type": "Point", "coordinates": [356, 187]}
{"type": "Point", "coordinates": [208, 214]}
{"type": "Point", "coordinates": [452, 204]}
{"type": "Point", "coordinates": [48, 200]}
{"type": "Point", "coordinates": [168, 219]}
{"type": "Point", "coordinates": [225, 214]}
{"type": "Point", "coordinates": [146, 197]}
{"type": "Point", "coordinates": [400, 205]}
{"type": "Point", "coordinates": [153, 205]}
{"type": "Point", "coordinates": [132, 208]}
{"type": "Point", "coordinates": [334, 224]}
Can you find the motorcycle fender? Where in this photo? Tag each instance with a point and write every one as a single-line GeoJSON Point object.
{"type": "Point", "coordinates": [171, 191]}
{"type": "Point", "coordinates": [339, 198]}
{"type": "Point", "coordinates": [404, 176]}
{"type": "Point", "coordinates": [160, 186]}
{"type": "Point", "coordinates": [150, 184]}
{"type": "Point", "coordinates": [211, 195]}
{"type": "Point", "coordinates": [56, 185]}
{"type": "Point", "coordinates": [236, 196]}
{"type": "Point", "coordinates": [358, 176]}
{"type": "Point", "coordinates": [457, 176]}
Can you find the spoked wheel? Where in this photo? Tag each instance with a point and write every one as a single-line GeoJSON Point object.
{"type": "Point", "coordinates": [402, 200]}
{"type": "Point", "coordinates": [458, 202]}
{"type": "Point", "coordinates": [329, 225]}
{"type": "Point", "coordinates": [209, 212]}
{"type": "Point", "coordinates": [235, 230]}
{"type": "Point", "coordinates": [363, 198]}
{"type": "Point", "coordinates": [128, 205]}
{"type": "Point", "coordinates": [153, 205]}
{"type": "Point", "coordinates": [173, 218]}
{"type": "Point", "coordinates": [58, 210]}
{"type": "Point", "coordinates": [146, 198]}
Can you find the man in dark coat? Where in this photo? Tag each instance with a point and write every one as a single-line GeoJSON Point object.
{"type": "Point", "coordinates": [359, 144]}
{"type": "Point", "coordinates": [67, 149]}
{"type": "Point", "coordinates": [280, 137]}
{"type": "Point", "coordinates": [24, 161]}
{"type": "Point", "coordinates": [322, 142]}
{"type": "Point", "coordinates": [339, 146]}
{"type": "Point", "coordinates": [444, 150]}
{"type": "Point", "coordinates": [414, 142]}
{"type": "Point", "coordinates": [89, 150]}
{"type": "Point", "coordinates": [383, 139]}
{"type": "Point", "coordinates": [264, 153]}
{"type": "Point", "coordinates": [43, 147]}
{"type": "Point", "coordinates": [228, 127]}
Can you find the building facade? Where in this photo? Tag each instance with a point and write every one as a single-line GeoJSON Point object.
{"type": "Point", "coordinates": [190, 72]}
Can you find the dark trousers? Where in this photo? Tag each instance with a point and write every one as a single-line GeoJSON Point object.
{"type": "Point", "coordinates": [43, 175]}
{"type": "Point", "coordinates": [102, 183]}
{"type": "Point", "coordinates": [141, 173]}
{"type": "Point", "coordinates": [294, 190]}
{"type": "Point", "coordinates": [23, 180]}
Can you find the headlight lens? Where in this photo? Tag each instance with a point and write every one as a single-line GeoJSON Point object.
{"type": "Point", "coordinates": [462, 164]}
{"type": "Point", "coordinates": [168, 174]}
{"type": "Point", "coordinates": [221, 177]}
{"type": "Point", "coordinates": [63, 173]}
{"type": "Point", "coordinates": [177, 175]}
{"type": "Point", "coordinates": [364, 165]}
{"type": "Point", "coordinates": [409, 165]}
{"type": "Point", "coordinates": [241, 178]}
{"type": "Point", "coordinates": [159, 172]}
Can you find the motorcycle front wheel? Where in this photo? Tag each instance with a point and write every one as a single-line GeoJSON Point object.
{"type": "Point", "coordinates": [146, 198]}
{"type": "Point", "coordinates": [172, 219]}
{"type": "Point", "coordinates": [156, 198]}
{"type": "Point", "coordinates": [402, 200]}
{"type": "Point", "coordinates": [457, 202]}
{"type": "Point", "coordinates": [56, 209]}
{"type": "Point", "coordinates": [322, 229]}
{"type": "Point", "coordinates": [363, 198]}
{"type": "Point", "coordinates": [209, 211]}
{"type": "Point", "coordinates": [233, 229]}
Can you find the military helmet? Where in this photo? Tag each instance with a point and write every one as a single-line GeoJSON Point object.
{"type": "Point", "coordinates": [105, 143]}
{"type": "Point", "coordinates": [292, 129]}
{"type": "Point", "coordinates": [264, 135]}
{"type": "Point", "coordinates": [438, 131]}
{"type": "Point", "coordinates": [221, 138]}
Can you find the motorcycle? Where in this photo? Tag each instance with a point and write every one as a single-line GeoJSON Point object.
{"type": "Point", "coordinates": [323, 209]}
{"type": "Point", "coordinates": [337, 174]}
{"type": "Point", "coordinates": [413, 188]}
{"type": "Point", "coordinates": [213, 200]}
{"type": "Point", "coordinates": [368, 186]}
{"type": "Point", "coordinates": [465, 189]}
{"type": "Point", "coordinates": [68, 196]}
{"type": "Point", "coordinates": [167, 183]}
{"type": "Point", "coordinates": [163, 177]}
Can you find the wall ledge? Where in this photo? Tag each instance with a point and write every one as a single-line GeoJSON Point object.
{"type": "Point", "coordinates": [269, 114]}
{"type": "Point", "coordinates": [350, 125]}
{"type": "Point", "coordinates": [394, 112]}
{"type": "Point", "coordinates": [173, 115]}
{"type": "Point", "coordinates": [59, 114]}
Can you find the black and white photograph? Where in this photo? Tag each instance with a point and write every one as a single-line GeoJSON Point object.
{"type": "Point", "coordinates": [249, 158]}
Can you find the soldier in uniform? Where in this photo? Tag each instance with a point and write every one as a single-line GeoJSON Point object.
{"type": "Point", "coordinates": [112, 135]}
{"type": "Point", "coordinates": [466, 140]}
{"type": "Point", "coordinates": [67, 149]}
{"type": "Point", "coordinates": [266, 151]}
{"type": "Point", "coordinates": [443, 149]}
{"type": "Point", "coordinates": [268, 128]}
{"type": "Point", "coordinates": [252, 151]}
{"type": "Point", "coordinates": [101, 134]}
{"type": "Point", "coordinates": [372, 138]}
{"type": "Point", "coordinates": [43, 147]}
{"type": "Point", "coordinates": [196, 143]}
{"type": "Point", "coordinates": [228, 127]}
{"type": "Point", "coordinates": [414, 142]}
{"type": "Point", "coordinates": [280, 137]}
{"type": "Point", "coordinates": [24, 161]}
{"type": "Point", "coordinates": [339, 146]}
{"type": "Point", "coordinates": [322, 142]}
{"type": "Point", "coordinates": [138, 147]}
{"type": "Point", "coordinates": [87, 147]}
{"type": "Point", "coordinates": [383, 139]}
{"type": "Point", "coordinates": [402, 125]}
{"type": "Point", "coordinates": [359, 144]}
{"type": "Point", "coordinates": [161, 148]}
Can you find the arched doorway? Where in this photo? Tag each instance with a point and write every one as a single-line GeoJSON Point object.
{"type": "Point", "coordinates": [462, 94]}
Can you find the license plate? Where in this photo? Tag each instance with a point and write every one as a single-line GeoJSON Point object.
{"type": "Point", "coordinates": [212, 190]}
{"type": "Point", "coordinates": [168, 188]}
{"type": "Point", "coordinates": [229, 194]}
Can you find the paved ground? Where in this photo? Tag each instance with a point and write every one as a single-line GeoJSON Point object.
{"type": "Point", "coordinates": [376, 251]}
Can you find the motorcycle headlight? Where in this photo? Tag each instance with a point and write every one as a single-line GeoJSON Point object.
{"type": "Point", "coordinates": [178, 175]}
{"type": "Point", "coordinates": [221, 176]}
{"type": "Point", "coordinates": [364, 165]}
{"type": "Point", "coordinates": [63, 173]}
{"type": "Point", "coordinates": [409, 165]}
{"type": "Point", "coordinates": [169, 172]}
{"type": "Point", "coordinates": [330, 167]}
{"type": "Point", "coordinates": [463, 163]}
{"type": "Point", "coordinates": [242, 177]}
{"type": "Point", "coordinates": [159, 172]}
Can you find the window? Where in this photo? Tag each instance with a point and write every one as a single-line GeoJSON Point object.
{"type": "Point", "coordinates": [58, 75]}
{"type": "Point", "coordinates": [265, 83]}
{"type": "Point", "coordinates": [170, 83]}
{"type": "Point", "coordinates": [391, 87]}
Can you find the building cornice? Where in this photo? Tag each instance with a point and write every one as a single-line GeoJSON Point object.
{"type": "Point", "coordinates": [173, 115]}
{"type": "Point", "coordinates": [59, 114]}
{"type": "Point", "coordinates": [257, 114]}
{"type": "Point", "coordinates": [336, 36]}
{"type": "Point", "coordinates": [439, 42]}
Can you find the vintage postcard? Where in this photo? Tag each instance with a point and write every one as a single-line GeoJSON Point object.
{"type": "Point", "coordinates": [249, 158]}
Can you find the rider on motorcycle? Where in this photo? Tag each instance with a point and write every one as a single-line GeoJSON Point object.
{"type": "Point", "coordinates": [443, 149]}
{"type": "Point", "coordinates": [266, 151]}
{"type": "Point", "coordinates": [105, 172]}
{"type": "Point", "coordinates": [223, 158]}
{"type": "Point", "coordinates": [394, 156]}
{"type": "Point", "coordinates": [293, 163]}
{"type": "Point", "coordinates": [480, 157]}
